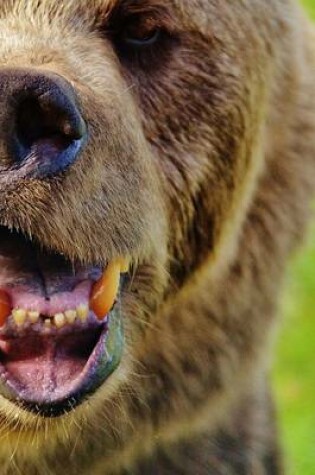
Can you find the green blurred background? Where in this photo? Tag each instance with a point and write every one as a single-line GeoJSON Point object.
{"type": "Point", "coordinates": [295, 362]}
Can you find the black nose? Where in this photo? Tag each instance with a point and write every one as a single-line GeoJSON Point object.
{"type": "Point", "coordinates": [45, 129]}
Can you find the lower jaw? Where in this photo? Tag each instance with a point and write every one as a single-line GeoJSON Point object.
{"type": "Point", "coordinates": [55, 402]}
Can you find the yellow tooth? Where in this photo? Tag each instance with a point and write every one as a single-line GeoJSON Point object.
{"type": "Point", "coordinates": [104, 291]}
{"type": "Point", "coordinates": [83, 312]}
{"type": "Point", "coordinates": [60, 320]}
{"type": "Point", "coordinates": [19, 316]}
{"type": "Point", "coordinates": [47, 322]}
{"type": "Point", "coordinates": [124, 264]}
{"type": "Point", "coordinates": [33, 316]}
{"type": "Point", "coordinates": [71, 315]}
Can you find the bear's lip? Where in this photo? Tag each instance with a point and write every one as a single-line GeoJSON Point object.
{"type": "Point", "coordinates": [44, 367]}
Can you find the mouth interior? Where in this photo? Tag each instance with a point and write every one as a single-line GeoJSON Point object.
{"type": "Point", "coordinates": [42, 362]}
{"type": "Point", "coordinates": [39, 366]}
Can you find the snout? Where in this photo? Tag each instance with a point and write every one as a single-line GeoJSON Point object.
{"type": "Point", "coordinates": [42, 127]}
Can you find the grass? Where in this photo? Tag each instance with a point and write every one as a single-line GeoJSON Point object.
{"type": "Point", "coordinates": [295, 370]}
{"type": "Point", "coordinates": [310, 6]}
{"type": "Point", "coordinates": [294, 374]}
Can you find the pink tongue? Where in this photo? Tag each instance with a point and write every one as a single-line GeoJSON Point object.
{"type": "Point", "coordinates": [45, 367]}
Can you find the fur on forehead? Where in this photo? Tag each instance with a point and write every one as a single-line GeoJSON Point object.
{"type": "Point", "coordinates": [48, 7]}
{"type": "Point", "coordinates": [81, 15]}
{"type": "Point", "coordinates": [187, 11]}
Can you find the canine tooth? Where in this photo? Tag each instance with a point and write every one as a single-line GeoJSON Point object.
{"type": "Point", "coordinates": [60, 320]}
{"type": "Point", "coordinates": [70, 315]}
{"type": "Point", "coordinates": [83, 312]}
{"type": "Point", "coordinates": [5, 307]}
{"type": "Point", "coordinates": [19, 316]}
{"type": "Point", "coordinates": [105, 290]}
{"type": "Point", "coordinates": [33, 316]}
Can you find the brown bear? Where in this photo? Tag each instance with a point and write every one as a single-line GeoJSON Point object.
{"type": "Point", "coordinates": [157, 162]}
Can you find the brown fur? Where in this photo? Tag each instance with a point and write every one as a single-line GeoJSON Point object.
{"type": "Point", "coordinates": [200, 164]}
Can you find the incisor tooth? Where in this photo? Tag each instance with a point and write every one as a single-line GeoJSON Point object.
{"type": "Point", "coordinates": [71, 315]}
{"type": "Point", "coordinates": [33, 316]}
{"type": "Point", "coordinates": [83, 312]}
{"type": "Point", "coordinates": [60, 320]}
{"type": "Point", "coordinates": [47, 322]}
{"type": "Point", "coordinates": [19, 316]}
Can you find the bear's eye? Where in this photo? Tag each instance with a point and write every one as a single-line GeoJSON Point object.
{"type": "Point", "coordinates": [137, 35]}
{"type": "Point", "coordinates": [142, 38]}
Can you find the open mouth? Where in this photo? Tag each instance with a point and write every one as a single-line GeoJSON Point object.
{"type": "Point", "coordinates": [60, 325]}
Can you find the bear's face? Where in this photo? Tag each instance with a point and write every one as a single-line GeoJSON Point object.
{"type": "Point", "coordinates": [171, 96]}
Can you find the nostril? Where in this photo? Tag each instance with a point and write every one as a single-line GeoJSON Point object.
{"type": "Point", "coordinates": [49, 131]}
{"type": "Point", "coordinates": [36, 125]}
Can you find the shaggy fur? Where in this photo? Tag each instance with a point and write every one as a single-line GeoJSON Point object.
{"type": "Point", "coordinates": [200, 165]}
